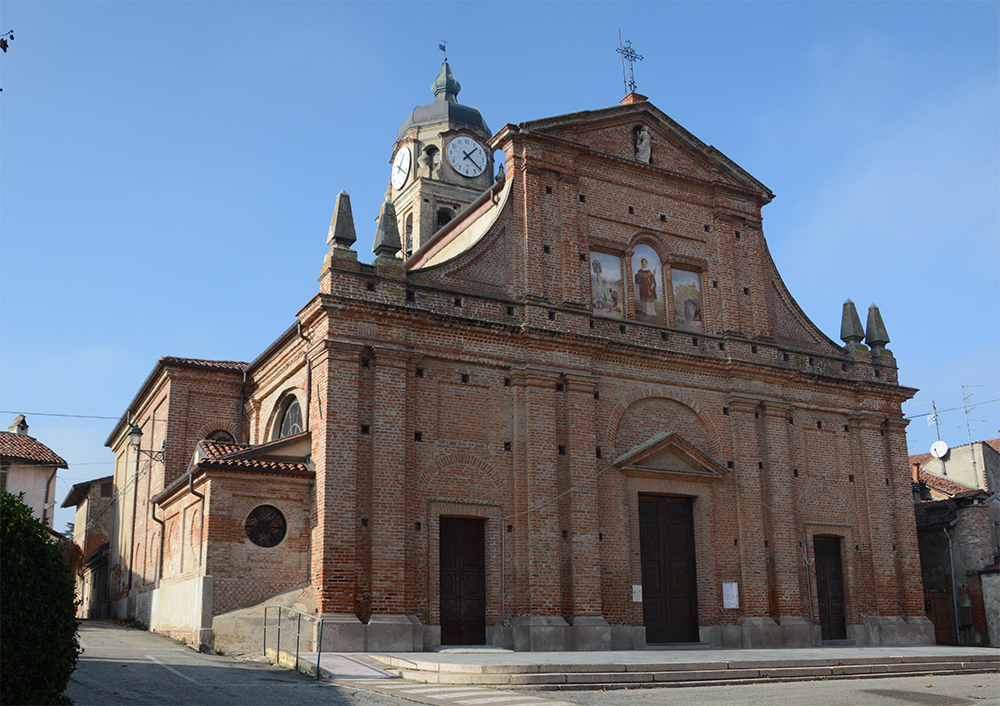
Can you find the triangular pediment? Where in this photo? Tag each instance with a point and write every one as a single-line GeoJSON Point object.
{"type": "Point", "coordinates": [668, 453]}
{"type": "Point", "coordinates": [674, 149]}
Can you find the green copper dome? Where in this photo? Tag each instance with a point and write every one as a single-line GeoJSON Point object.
{"type": "Point", "coordinates": [446, 86]}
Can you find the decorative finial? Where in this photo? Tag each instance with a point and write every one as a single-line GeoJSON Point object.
{"type": "Point", "coordinates": [387, 243]}
{"type": "Point", "coordinates": [342, 224]}
{"type": "Point", "coordinates": [851, 332]}
{"type": "Point", "coordinates": [629, 54]}
{"type": "Point", "coordinates": [443, 47]}
{"type": "Point", "coordinates": [446, 86]}
{"type": "Point", "coordinates": [501, 174]}
{"type": "Point", "coordinates": [876, 336]}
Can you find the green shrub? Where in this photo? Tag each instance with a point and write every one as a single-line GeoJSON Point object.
{"type": "Point", "coordinates": [37, 610]}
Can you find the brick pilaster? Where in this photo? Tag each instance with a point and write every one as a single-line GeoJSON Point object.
{"type": "Point", "coordinates": [584, 519]}
{"type": "Point", "coordinates": [389, 484]}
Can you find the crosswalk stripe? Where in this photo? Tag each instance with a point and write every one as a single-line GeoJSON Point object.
{"type": "Point", "coordinates": [434, 689]}
{"type": "Point", "coordinates": [502, 699]}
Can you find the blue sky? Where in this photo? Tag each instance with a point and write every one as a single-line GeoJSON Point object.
{"type": "Point", "coordinates": [168, 169]}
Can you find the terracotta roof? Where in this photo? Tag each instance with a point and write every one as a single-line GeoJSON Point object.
{"type": "Point", "coordinates": [26, 449]}
{"type": "Point", "coordinates": [234, 366]}
{"type": "Point", "coordinates": [945, 485]}
{"type": "Point", "coordinates": [920, 459]}
{"type": "Point", "coordinates": [939, 513]}
{"type": "Point", "coordinates": [223, 455]}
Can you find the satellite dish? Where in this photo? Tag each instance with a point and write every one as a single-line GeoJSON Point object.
{"type": "Point", "coordinates": [939, 449]}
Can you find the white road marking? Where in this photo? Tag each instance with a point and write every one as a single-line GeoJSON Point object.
{"type": "Point", "coordinates": [502, 699]}
{"type": "Point", "coordinates": [171, 669]}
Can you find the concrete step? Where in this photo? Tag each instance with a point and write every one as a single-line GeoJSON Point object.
{"type": "Point", "coordinates": [688, 673]}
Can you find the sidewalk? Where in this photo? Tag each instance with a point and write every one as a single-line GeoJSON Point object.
{"type": "Point", "coordinates": [595, 670]}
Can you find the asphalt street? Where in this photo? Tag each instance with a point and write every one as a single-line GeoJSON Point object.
{"type": "Point", "coordinates": [128, 666]}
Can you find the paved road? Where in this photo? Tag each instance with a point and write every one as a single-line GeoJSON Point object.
{"type": "Point", "coordinates": [122, 666]}
{"type": "Point", "coordinates": [128, 666]}
{"type": "Point", "coordinates": [900, 691]}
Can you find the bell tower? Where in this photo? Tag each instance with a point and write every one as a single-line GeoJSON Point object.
{"type": "Point", "coordinates": [441, 162]}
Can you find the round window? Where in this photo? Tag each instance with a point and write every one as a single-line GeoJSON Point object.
{"type": "Point", "coordinates": [266, 526]}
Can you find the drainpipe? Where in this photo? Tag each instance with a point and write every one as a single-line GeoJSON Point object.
{"type": "Point", "coordinates": [163, 531]}
{"type": "Point", "coordinates": [305, 356]}
{"type": "Point", "coordinates": [243, 390]}
{"type": "Point", "coordinates": [45, 501]}
{"type": "Point", "coordinates": [201, 537]}
{"type": "Point", "coordinates": [135, 501]}
{"type": "Point", "coordinates": [954, 585]}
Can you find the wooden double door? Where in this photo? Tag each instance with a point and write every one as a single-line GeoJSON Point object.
{"type": "Point", "coordinates": [830, 587]}
{"type": "Point", "coordinates": [463, 581]}
{"type": "Point", "coordinates": [669, 586]}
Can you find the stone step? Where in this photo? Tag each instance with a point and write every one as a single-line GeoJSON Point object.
{"type": "Point", "coordinates": [595, 676]}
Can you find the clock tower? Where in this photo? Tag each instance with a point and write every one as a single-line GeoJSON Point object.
{"type": "Point", "coordinates": [441, 162]}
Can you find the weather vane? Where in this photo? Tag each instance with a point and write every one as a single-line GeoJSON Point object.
{"type": "Point", "coordinates": [630, 54]}
{"type": "Point", "coordinates": [443, 47]}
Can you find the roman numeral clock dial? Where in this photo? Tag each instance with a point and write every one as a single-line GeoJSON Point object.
{"type": "Point", "coordinates": [466, 156]}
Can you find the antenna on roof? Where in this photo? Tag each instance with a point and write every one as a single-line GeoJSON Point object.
{"type": "Point", "coordinates": [968, 428]}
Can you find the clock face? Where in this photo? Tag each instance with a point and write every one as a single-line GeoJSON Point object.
{"type": "Point", "coordinates": [467, 157]}
{"type": "Point", "coordinates": [400, 167]}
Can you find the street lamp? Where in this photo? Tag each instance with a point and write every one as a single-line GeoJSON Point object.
{"type": "Point", "coordinates": [135, 440]}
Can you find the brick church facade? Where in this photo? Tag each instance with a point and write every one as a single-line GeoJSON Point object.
{"type": "Point", "coordinates": [572, 406]}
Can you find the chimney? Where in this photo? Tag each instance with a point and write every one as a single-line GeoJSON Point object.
{"type": "Point", "coordinates": [19, 427]}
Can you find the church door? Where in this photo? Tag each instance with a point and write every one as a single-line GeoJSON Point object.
{"type": "Point", "coordinates": [463, 581]}
{"type": "Point", "coordinates": [669, 589]}
{"type": "Point", "coordinates": [830, 587]}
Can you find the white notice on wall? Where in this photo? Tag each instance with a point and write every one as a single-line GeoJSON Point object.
{"type": "Point", "coordinates": [637, 593]}
{"type": "Point", "coordinates": [730, 594]}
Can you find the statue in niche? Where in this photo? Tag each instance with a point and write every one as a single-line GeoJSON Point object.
{"type": "Point", "coordinates": [643, 145]}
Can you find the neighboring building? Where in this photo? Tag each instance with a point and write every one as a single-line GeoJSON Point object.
{"type": "Point", "coordinates": [583, 413]}
{"type": "Point", "coordinates": [975, 465]}
{"type": "Point", "coordinates": [94, 502]}
{"type": "Point", "coordinates": [959, 545]}
{"type": "Point", "coordinates": [29, 466]}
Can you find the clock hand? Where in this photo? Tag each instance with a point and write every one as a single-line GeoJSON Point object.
{"type": "Point", "coordinates": [470, 158]}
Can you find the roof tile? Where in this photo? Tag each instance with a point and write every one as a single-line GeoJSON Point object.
{"type": "Point", "coordinates": [27, 449]}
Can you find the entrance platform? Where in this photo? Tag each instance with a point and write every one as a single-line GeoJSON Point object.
{"type": "Point", "coordinates": [553, 671]}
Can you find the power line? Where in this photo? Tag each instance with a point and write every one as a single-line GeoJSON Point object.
{"type": "Point", "coordinates": [48, 414]}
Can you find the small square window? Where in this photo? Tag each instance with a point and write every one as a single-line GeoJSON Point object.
{"type": "Point", "coordinates": [418, 436]}
{"type": "Point", "coordinates": [546, 249]}
{"type": "Point", "coordinates": [506, 446]}
{"type": "Point", "coordinates": [583, 258]}
{"type": "Point", "coordinates": [510, 311]}
{"type": "Point", "coordinates": [622, 329]}
{"type": "Point", "coordinates": [410, 295]}
{"type": "Point", "coordinates": [552, 316]}
{"type": "Point", "coordinates": [663, 217]}
{"type": "Point", "coordinates": [465, 377]}
{"type": "Point", "coordinates": [582, 198]}
{"type": "Point", "coordinates": [506, 382]}
{"type": "Point", "coordinates": [631, 209]}
{"type": "Point", "coordinates": [366, 429]}
{"type": "Point", "coordinates": [548, 189]}
{"type": "Point", "coordinates": [562, 450]}
{"type": "Point", "coordinates": [370, 286]}
{"type": "Point", "coordinates": [419, 372]}
{"type": "Point", "coordinates": [597, 452]}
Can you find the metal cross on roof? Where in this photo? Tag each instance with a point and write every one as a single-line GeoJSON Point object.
{"type": "Point", "coordinates": [443, 47]}
{"type": "Point", "coordinates": [628, 53]}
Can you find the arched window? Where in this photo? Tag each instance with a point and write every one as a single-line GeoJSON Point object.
{"type": "Point", "coordinates": [291, 419]}
{"type": "Point", "coordinates": [222, 436]}
{"type": "Point", "coordinates": [443, 216]}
